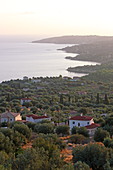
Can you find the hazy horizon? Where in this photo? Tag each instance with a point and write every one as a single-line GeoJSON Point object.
{"type": "Point", "coordinates": [29, 38]}
{"type": "Point", "coordinates": [56, 18]}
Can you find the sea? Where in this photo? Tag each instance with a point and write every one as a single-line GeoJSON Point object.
{"type": "Point", "coordinates": [20, 57]}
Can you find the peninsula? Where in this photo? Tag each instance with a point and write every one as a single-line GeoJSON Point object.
{"type": "Point", "coordinates": [89, 48]}
{"type": "Point", "coordinates": [74, 39]}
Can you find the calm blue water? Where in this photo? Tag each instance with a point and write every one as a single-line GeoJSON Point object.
{"type": "Point", "coordinates": [21, 58]}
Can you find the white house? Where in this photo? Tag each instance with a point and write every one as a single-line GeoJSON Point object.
{"type": "Point", "coordinates": [80, 121]}
{"type": "Point", "coordinates": [25, 100]}
{"type": "Point", "coordinates": [36, 119]}
{"type": "Point", "coordinates": [36, 80]}
{"type": "Point", "coordinates": [25, 78]}
{"type": "Point", "coordinates": [10, 117]}
{"type": "Point", "coordinates": [92, 128]}
{"type": "Point", "coordinates": [25, 89]}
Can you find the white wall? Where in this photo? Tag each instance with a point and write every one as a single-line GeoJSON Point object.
{"type": "Point", "coordinates": [82, 123]}
{"type": "Point", "coordinates": [7, 120]}
{"type": "Point", "coordinates": [24, 101]}
{"type": "Point", "coordinates": [30, 119]}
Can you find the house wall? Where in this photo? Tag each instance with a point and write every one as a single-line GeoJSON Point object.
{"type": "Point", "coordinates": [10, 119]}
{"type": "Point", "coordinates": [30, 119]}
{"type": "Point", "coordinates": [79, 123]}
{"type": "Point", "coordinates": [40, 120]}
{"type": "Point", "coordinates": [18, 117]}
{"type": "Point", "coordinates": [24, 101]}
{"type": "Point", "coordinates": [91, 131]}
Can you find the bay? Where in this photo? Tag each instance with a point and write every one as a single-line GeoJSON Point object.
{"type": "Point", "coordinates": [20, 58]}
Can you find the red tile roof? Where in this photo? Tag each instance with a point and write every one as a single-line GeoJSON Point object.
{"type": "Point", "coordinates": [23, 121]}
{"type": "Point", "coordinates": [15, 114]}
{"type": "Point", "coordinates": [36, 117]}
{"type": "Point", "coordinates": [6, 114]}
{"type": "Point", "coordinates": [82, 118]}
{"type": "Point", "coordinates": [92, 126]}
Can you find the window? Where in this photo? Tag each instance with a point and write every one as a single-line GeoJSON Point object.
{"type": "Point", "coordinates": [78, 124]}
{"type": "Point", "coordinates": [73, 122]}
{"type": "Point", "coordinates": [87, 123]}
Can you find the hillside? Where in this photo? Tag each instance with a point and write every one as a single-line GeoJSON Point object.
{"type": "Point", "coordinates": [98, 52]}
{"type": "Point", "coordinates": [90, 48]}
{"type": "Point", "coordinates": [74, 39]}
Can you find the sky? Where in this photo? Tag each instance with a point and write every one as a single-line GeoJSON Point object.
{"type": "Point", "coordinates": [56, 17]}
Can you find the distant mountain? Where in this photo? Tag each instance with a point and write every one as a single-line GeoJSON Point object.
{"type": "Point", "coordinates": [74, 39]}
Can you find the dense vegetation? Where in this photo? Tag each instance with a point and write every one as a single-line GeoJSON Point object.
{"type": "Point", "coordinates": [101, 51]}
{"type": "Point", "coordinates": [59, 98]}
{"type": "Point", "coordinates": [42, 146]}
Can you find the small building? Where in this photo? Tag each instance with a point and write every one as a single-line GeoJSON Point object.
{"type": "Point", "coordinates": [66, 78]}
{"type": "Point", "coordinates": [92, 128]}
{"type": "Point", "coordinates": [25, 89]}
{"type": "Point", "coordinates": [64, 92]}
{"type": "Point", "coordinates": [80, 121]}
{"type": "Point", "coordinates": [36, 80]}
{"type": "Point", "coordinates": [25, 78]}
{"type": "Point", "coordinates": [10, 117]}
{"type": "Point", "coordinates": [25, 100]}
{"type": "Point", "coordinates": [36, 119]}
{"type": "Point", "coordinates": [72, 112]}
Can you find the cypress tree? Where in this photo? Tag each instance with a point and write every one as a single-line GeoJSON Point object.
{"type": "Point", "coordinates": [61, 99]}
{"type": "Point", "coordinates": [98, 99]}
{"type": "Point", "coordinates": [106, 100]}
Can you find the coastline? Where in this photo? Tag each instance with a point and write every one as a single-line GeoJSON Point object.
{"type": "Point", "coordinates": [86, 69]}
{"type": "Point", "coordinates": [96, 49]}
{"type": "Point", "coordinates": [101, 53]}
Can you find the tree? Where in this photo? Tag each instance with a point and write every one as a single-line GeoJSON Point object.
{"type": "Point", "coordinates": [2, 109]}
{"type": "Point", "coordinates": [61, 99]}
{"type": "Point", "coordinates": [98, 98]}
{"type": "Point", "coordinates": [80, 130]}
{"type": "Point", "coordinates": [31, 159]}
{"type": "Point", "coordinates": [100, 135]}
{"type": "Point", "coordinates": [7, 132]}
{"type": "Point", "coordinates": [51, 138]}
{"type": "Point", "coordinates": [77, 139]}
{"type": "Point", "coordinates": [5, 161]}
{"type": "Point", "coordinates": [69, 98]}
{"type": "Point", "coordinates": [33, 109]}
{"type": "Point", "coordinates": [16, 138]}
{"type": "Point", "coordinates": [51, 148]}
{"type": "Point", "coordinates": [68, 166]}
{"type": "Point", "coordinates": [18, 109]}
{"type": "Point", "coordinates": [94, 155]}
{"type": "Point", "coordinates": [83, 110]}
{"type": "Point", "coordinates": [109, 128]}
{"type": "Point", "coordinates": [44, 128]}
{"type": "Point", "coordinates": [107, 166]}
{"type": "Point", "coordinates": [5, 144]}
{"type": "Point", "coordinates": [74, 130]}
{"type": "Point", "coordinates": [64, 130]}
{"type": "Point", "coordinates": [81, 166]}
{"type": "Point", "coordinates": [83, 131]}
{"type": "Point", "coordinates": [106, 100]}
{"type": "Point", "coordinates": [23, 129]}
{"type": "Point", "coordinates": [107, 142]}
{"type": "Point", "coordinates": [31, 125]}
